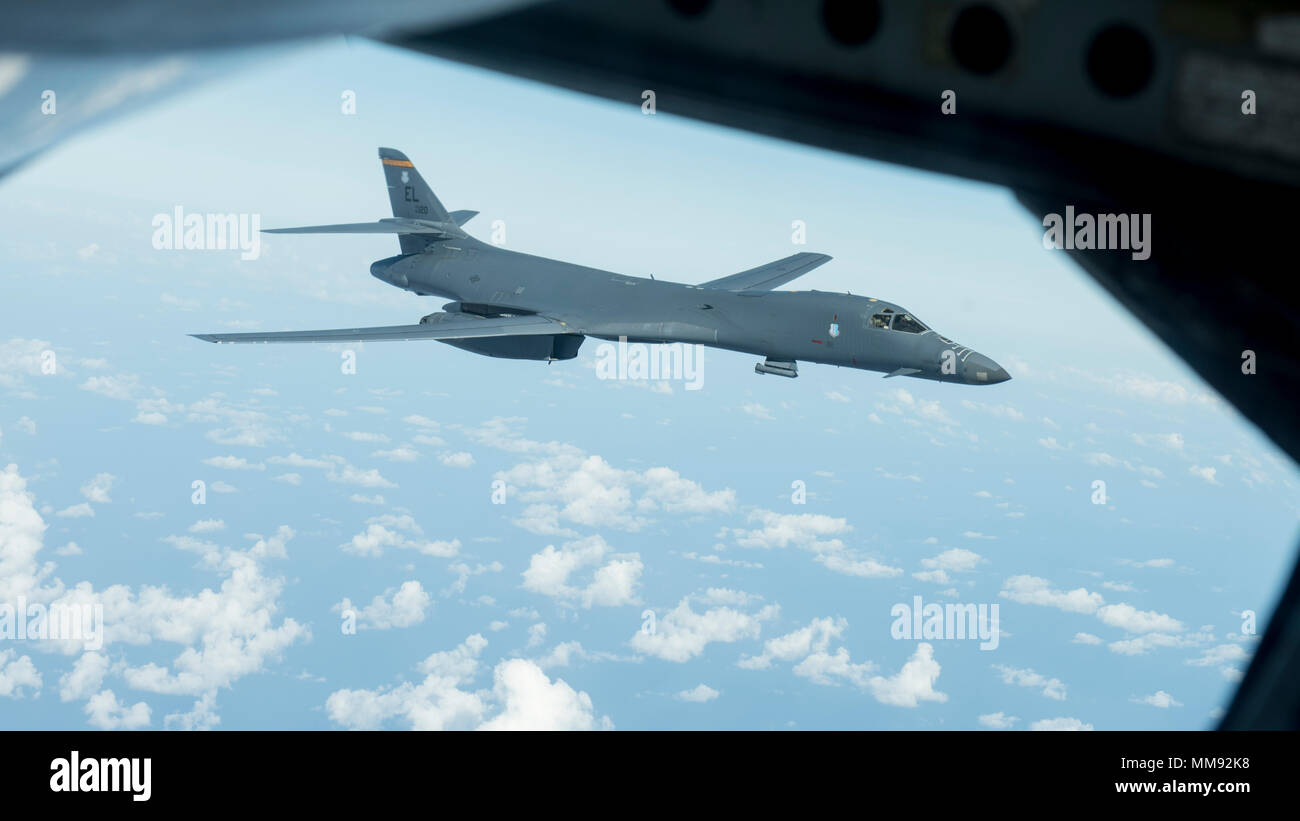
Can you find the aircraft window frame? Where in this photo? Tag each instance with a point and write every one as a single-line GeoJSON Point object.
{"type": "Point", "coordinates": [899, 319]}
{"type": "Point", "coordinates": [870, 325]}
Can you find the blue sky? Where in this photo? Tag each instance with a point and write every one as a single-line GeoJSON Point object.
{"type": "Point", "coordinates": [372, 491]}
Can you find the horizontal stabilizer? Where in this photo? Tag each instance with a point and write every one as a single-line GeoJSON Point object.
{"type": "Point", "coordinates": [462, 217]}
{"type": "Point", "coordinates": [449, 327]}
{"type": "Point", "coordinates": [384, 226]}
{"type": "Point", "coordinates": [769, 276]}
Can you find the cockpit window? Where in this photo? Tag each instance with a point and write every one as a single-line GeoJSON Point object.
{"type": "Point", "coordinates": [908, 324]}
{"type": "Point", "coordinates": [901, 322]}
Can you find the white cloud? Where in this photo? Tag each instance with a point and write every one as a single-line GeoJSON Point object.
{"type": "Point", "coordinates": [400, 531]}
{"type": "Point", "coordinates": [522, 698]}
{"type": "Point", "coordinates": [1159, 699]}
{"type": "Point", "coordinates": [698, 694]}
{"type": "Point", "coordinates": [457, 460]}
{"type": "Point", "coordinates": [233, 463]}
{"type": "Point", "coordinates": [400, 607]}
{"type": "Point", "coordinates": [612, 584]}
{"type": "Point", "coordinates": [757, 411]}
{"type": "Point", "coordinates": [1059, 724]}
{"type": "Point", "coordinates": [364, 436]}
{"type": "Point", "coordinates": [1034, 590]}
{"type": "Point", "coordinates": [17, 672]}
{"type": "Point", "coordinates": [106, 713]}
{"type": "Point", "coordinates": [1000, 411]}
{"type": "Point", "coordinates": [1130, 619]}
{"type": "Point", "coordinates": [1224, 656]}
{"type": "Point", "coordinates": [997, 721]}
{"type": "Point", "coordinates": [912, 684]}
{"type": "Point", "coordinates": [113, 387]}
{"type": "Point", "coordinates": [1052, 688]}
{"type": "Point", "coordinates": [815, 637]}
{"type": "Point", "coordinates": [531, 701]}
{"type": "Point", "coordinates": [79, 511]}
{"type": "Point", "coordinates": [815, 532]}
{"type": "Point", "coordinates": [85, 678]}
{"type": "Point", "coordinates": [398, 454]}
{"type": "Point", "coordinates": [567, 485]}
{"type": "Point", "coordinates": [955, 560]}
{"type": "Point", "coordinates": [682, 633]}
{"type": "Point", "coordinates": [435, 703]}
{"type": "Point", "coordinates": [928, 412]}
{"type": "Point", "coordinates": [1167, 441]}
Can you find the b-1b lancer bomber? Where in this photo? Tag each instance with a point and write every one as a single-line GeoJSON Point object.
{"type": "Point", "coordinates": [516, 306]}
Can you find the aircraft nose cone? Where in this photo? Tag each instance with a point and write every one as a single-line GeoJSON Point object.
{"type": "Point", "coordinates": [980, 370]}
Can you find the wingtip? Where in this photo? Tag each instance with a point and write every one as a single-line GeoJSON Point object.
{"type": "Point", "coordinates": [205, 337]}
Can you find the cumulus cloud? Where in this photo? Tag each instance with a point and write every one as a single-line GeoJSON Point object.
{"type": "Point", "coordinates": [682, 633]}
{"type": "Point", "coordinates": [698, 694]}
{"type": "Point", "coordinates": [457, 460]}
{"type": "Point", "coordinates": [956, 560]}
{"type": "Point", "coordinates": [912, 684]}
{"type": "Point", "coordinates": [78, 511]}
{"type": "Point", "coordinates": [85, 678]}
{"type": "Point", "coordinates": [401, 531]}
{"type": "Point", "coordinates": [612, 583]}
{"type": "Point", "coordinates": [1059, 724]}
{"type": "Point", "coordinates": [562, 485]}
{"type": "Point", "coordinates": [1159, 699]}
{"type": "Point", "coordinates": [997, 721]}
{"type": "Point", "coordinates": [105, 712]}
{"type": "Point", "coordinates": [395, 607]}
{"type": "Point", "coordinates": [809, 646]}
{"type": "Point", "coordinates": [531, 701]}
{"type": "Point", "coordinates": [223, 633]}
{"type": "Point", "coordinates": [96, 490]}
{"type": "Point", "coordinates": [1130, 619]}
{"type": "Point", "coordinates": [17, 672]}
{"type": "Point", "coordinates": [1153, 629]}
{"type": "Point", "coordinates": [814, 637]}
{"type": "Point", "coordinates": [816, 533]}
{"type": "Point", "coordinates": [233, 463]}
{"type": "Point", "coordinates": [1052, 688]}
{"type": "Point", "coordinates": [522, 697]}
{"type": "Point", "coordinates": [1034, 590]}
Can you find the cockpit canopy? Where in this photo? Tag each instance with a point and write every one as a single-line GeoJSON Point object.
{"type": "Point", "coordinates": [889, 319]}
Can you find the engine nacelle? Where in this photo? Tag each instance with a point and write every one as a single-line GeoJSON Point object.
{"type": "Point", "coordinates": [544, 347]}
{"type": "Point", "coordinates": [548, 347]}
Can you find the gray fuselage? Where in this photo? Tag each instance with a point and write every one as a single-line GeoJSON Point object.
{"type": "Point", "coordinates": [808, 326]}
